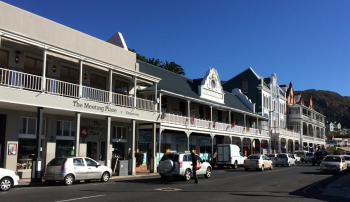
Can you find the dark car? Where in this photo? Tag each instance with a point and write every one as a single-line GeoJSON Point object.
{"type": "Point", "coordinates": [319, 156]}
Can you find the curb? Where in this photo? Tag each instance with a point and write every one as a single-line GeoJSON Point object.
{"type": "Point", "coordinates": [26, 184]}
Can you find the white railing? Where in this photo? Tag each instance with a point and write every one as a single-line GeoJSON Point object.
{"type": "Point", "coordinates": [122, 100]}
{"type": "Point", "coordinates": [94, 94]}
{"type": "Point", "coordinates": [62, 88]}
{"type": "Point", "coordinates": [284, 131]}
{"type": "Point", "coordinates": [144, 104]}
{"type": "Point", "coordinates": [20, 80]}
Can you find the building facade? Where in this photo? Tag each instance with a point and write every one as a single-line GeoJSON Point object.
{"type": "Point", "coordinates": [333, 126]}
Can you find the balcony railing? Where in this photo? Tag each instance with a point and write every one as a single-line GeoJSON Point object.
{"type": "Point", "coordinates": [20, 80]}
{"type": "Point", "coordinates": [209, 125]}
{"type": "Point", "coordinates": [284, 131]}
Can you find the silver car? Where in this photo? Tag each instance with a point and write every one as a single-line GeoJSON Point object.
{"type": "Point", "coordinates": [333, 163]}
{"type": "Point", "coordinates": [180, 165]}
{"type": "Point", "coordinates": [347, 158]}
{"type": "Point", "coordinates": [73, 169]}
{"type": "Point", "coordinates": [285, 159]}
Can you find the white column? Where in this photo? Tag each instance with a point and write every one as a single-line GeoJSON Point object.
{"type": "Point", "coordinates": [188, 141]}
{"type": "Point", "coordinates": [155, 97]}
{"type": "Point", "coordinates": [133, 159]}
{"type": "Point", "coordinates": [269, 141]}
{"type": "Point", "coordinates": [293, 146]}
{"type": "Point", "coordinates": [212, 148]}
{"type": "Point", "coordinates": [77, 134]}
{"type": "Point", "coordinates": [160, 102]}
{"type": "Point", "coordinates": [110, 85]}
{"type": "Point", "coordinates": [135, 90]}
{"type": "Point", "coordinates": [188, 109]}
{"type": "Point", "coordinates": [44, 71]}
{"type": "Point", "coordinates": [287, 145]}
{"type": "Point", "coordinates": [251, 146]}
{"type": "Point", "coordinates": [80, 78]}
{"type": "Point", "coordinates": [211, 113]}
{"type": "Point", "coordinates": [108, 152]}
{"type": "Point", "coordinates": [229, 117]}
{"type": "Point", "coordinates": [279, 145]}
{"type": "Point", "coordinates": [241, 144]}
{"type": "Point", "coordinates": [154, 150]}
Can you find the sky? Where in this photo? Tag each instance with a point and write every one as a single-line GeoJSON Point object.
{"type": "Point", "coordinates": [304, 42]}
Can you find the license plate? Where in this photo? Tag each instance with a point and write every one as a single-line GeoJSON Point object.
{"type": "Point", "coordinates": [168, 175]}
{"type": "Point", "coordinates": [49, 178]}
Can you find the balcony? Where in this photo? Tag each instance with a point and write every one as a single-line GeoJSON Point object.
{"type": "Point", "coordinates": [185, 122]}
{"type": "Point", "coordinates": [286, 132]}
{"type": "Point", "coordinates": [308, 138]}
{"type": "Point", "coordinates": [24, 81]}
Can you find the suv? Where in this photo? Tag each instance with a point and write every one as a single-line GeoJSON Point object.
{"type": "Point", "coordinates": [73, 169]}
{"type": "Point", "coordinates": [180, 165]}
{"type": "Point", "coordinates": [319, 156]}
{"type": "Point", "coordinates": [285, 159]}
{"type": "Point", "coordinates": [308, 157]}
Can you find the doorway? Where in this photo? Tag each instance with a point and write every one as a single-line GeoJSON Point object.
{"type": "Point", "coordinates": [2, 139]}
{"type": "Point", "coordinates": [92, 150]}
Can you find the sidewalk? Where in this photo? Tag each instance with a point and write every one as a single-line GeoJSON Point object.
{"type": "Point", "coordinates": [26, 181]}
{"type": "Point", "coordinates": [339, 188]}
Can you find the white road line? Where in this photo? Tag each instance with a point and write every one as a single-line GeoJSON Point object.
{"type": "Point", "coordinates": [82, 198]}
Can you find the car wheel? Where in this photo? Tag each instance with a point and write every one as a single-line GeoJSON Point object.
{"type": "Point", "coordinates": [187, 174]}
{"type": "Point", "coordinates": [246, 169]}
{"type": "Point", "coordinates": [49, 182]}
{"type": "Point", "coordinates": [105, 177]}
{"type": "Point", "coordinates": [221, 166]}
{"type": "Point", "coordinates": [69, 179]}
{"type": "Point", "coordinates": [276, 165]}
{"type": "Point", "coordinates": [294, 164]}
{"type": "Point", "coordinates": [262, 168]}
{"type": "Point", "coordinates": [87, 181]}
{"type": "Point", "coordinates": [235, 165]}
{"type": "Point", "coordinates": [271, 167]}
{"type": "Point", "coordinates": [288, 165]}
{"type": "Point", "coordinates": [208, 173]}
{"type": "Point", "coordinates": [313, 164]}
{"type": "Point", "coordinates": [164, 178]}
{"type": "Point", "coordinates": [6, 184]}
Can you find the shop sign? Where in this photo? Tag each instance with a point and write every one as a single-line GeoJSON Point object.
{"type": "Point", "coordinates": [84, 131]}
{"type": "Point", "coordinates": [94, 107]}
{"type": "Point", "coordinates": [12, 149]}
{"type": "Point", "coordinates": [95, 129]}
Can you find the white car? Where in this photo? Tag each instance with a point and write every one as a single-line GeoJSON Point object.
{"type": "Point", "coordinates": [285, 159]}
{"type": "Point", "coordinates": [229, 155]}
{"type": "Point", "coordinates": [180, 165]}
{"type": "Point", "coordinates": [9, 178]}
{"type": "Point", "coordinates": [296, 157]}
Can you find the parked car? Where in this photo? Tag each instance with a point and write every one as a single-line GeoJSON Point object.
{"type": "Point", "coordinates": [296, 157]}
{"type": "Point", "coordinates": [73, 169]}
{"type": "Point", "coordinates": [301, 154]}
{"type": "Point", "coordinates": [180, 165]}
{"type": "Point", "coordinates": [347, 159]}
{"type": "Point", "coordinates": [285, 159]}
{"type": "Point", "coordinates": [258, 162]}
{"type": "Point", "coordinates": [308, 157]}
{"type": "Point", "coordinates": [8, 179]}
{"type": "Point", "coordinates": [229, 155]}
{"type": "Point", "coordinates": [273, 158]}
{"type": "Point", "coordinates": [319, 156]}
{"type": "Point", "coordinates": [333, 163]}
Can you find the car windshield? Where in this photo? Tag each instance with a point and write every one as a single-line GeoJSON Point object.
{"type": "Point", "coordinates": [57, 162]}
{"type": "Point", "coordinates": [172, 157]}
{"type": "Point", "coordinates": [309, 154]}
{"type": "Point", "coordinates": [282, 156]}
{"type": "Point", "coordinates": [332, 159]}
{"type": "Point", "coordinates": [347, 158]}
{"type": "Point", "coordinates": [321, 153]}
{"type": "Point", "coordinates": [253, 157]}
{"type": "Point", "coordinates": [271, 155]}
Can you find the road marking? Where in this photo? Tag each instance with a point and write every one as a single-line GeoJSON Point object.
{"type": "Point", "coordinates": [82, 198]}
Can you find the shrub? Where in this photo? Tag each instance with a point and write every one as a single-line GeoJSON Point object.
{"type": "Point", "coordinates": [139, 158]}
{"type": "Point", "coordinates": [338, 152]}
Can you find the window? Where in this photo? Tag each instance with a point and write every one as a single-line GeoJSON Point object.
{"type": "Point", "coordinates": [64, 148]}
{"type": "Point", "coordinates": [98, 81]}
{"type": "Point", "coordinates": [245, 85]}
{"type": "Point", "coordinates": [90, 162]}
{"type": "Point", "coordinates": [78, 162]}
{"type": "Point", "coordinates": [27, 126]}
{"type": "Point", "coordinates": [33, 65]}
{"type": "Point", "coordinates": [212, 84]}
{"type": "Point", "coordinates": [4, 58]}
{"type": "Point", "coordinates": [121, 87]}
{"type": "Point", "coordinates": [65, 128]}
{"type": "Point", "coordinates": [119, 132]}
{"type": "Point", "coordinates": [69, 74]}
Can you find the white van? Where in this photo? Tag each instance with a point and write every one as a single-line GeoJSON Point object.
{"type": "Point", "coordinates": [229, 155]}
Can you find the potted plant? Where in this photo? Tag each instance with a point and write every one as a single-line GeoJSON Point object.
{"type": "Point", "coordinates": [139, 159]}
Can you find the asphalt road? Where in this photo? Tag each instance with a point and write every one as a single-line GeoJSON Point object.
{"type": "Point", "coordinates": [300, 183]}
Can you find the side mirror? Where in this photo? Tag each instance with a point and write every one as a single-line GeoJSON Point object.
{"type": "Point", "coordinates": [98, 165]}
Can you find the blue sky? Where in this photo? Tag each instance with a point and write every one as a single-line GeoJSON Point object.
{"type": "Point", "coordinates": [303, 42]}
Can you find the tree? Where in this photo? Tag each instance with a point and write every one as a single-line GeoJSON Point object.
{"type": "Point", "coordinates": [173, 67]}
{"type": "Point", "coordinates": [155, 62]}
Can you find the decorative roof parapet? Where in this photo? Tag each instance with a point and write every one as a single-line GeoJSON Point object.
{"type": "Point", "coordinates": [244, 99]}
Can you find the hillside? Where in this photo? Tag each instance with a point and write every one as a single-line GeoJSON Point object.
{"type": "Point", "coordinates": [334, 106]}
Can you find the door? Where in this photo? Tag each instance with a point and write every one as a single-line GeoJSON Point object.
{"type": "Point", "coordinates": [92, 150]}
{"type": "Point", "coordinates": [2, 138]}
{"type": "Point", "coordinates": [80, 169]}
{"type": "Point", "coordinates": [93, 172]}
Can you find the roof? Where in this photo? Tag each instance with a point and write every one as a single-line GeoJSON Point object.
{"type": "Point", "coordinates": [184, 86]}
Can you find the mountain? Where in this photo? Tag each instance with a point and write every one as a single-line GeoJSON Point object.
{"type": "Point", "coordinates": [335, 107]}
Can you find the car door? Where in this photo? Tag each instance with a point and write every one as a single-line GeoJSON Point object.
{"type": "Point", "coordinates": [267, 163]}
{"type": "Point", "coordinates": [203, 168]}
{"type": "Point", "coordinates": [241, 158]}
{"type": "Point", "coordinates": [93, 171]}
{"type": "Point", "coordinates": [80, 169]}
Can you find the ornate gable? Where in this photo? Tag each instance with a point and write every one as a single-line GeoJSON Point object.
{"type": "Point", "coordinates": [290, 95]}
{"type": "Point", "coordinates": [310, 103]}
{"type": "Point", "coordinates": [210, 87]}
{"type": "Point", "coordinates": [301, 101]}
